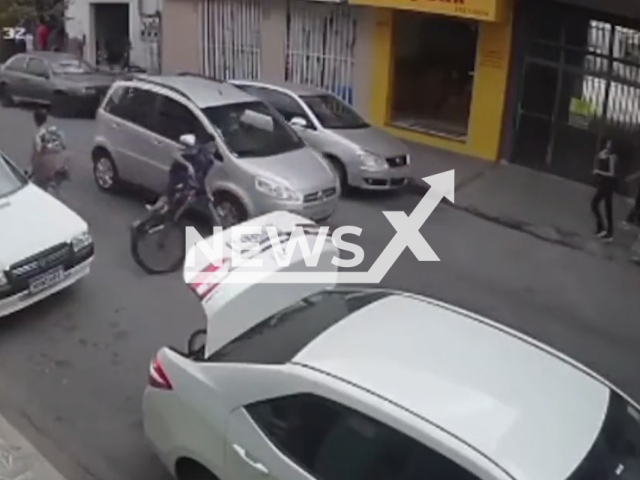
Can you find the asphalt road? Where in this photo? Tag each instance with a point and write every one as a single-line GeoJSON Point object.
{"type": "Point", "coordinates": [72, 368]}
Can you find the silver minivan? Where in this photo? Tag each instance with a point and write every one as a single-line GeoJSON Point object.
{"type": "Point", "coordinates": [266, 165]}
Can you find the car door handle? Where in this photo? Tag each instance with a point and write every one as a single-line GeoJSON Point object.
{"type": "Point", "coordinates": [157, 142]}
{"type": "Point", "coordinates": [115, 125]}
{"type": "Point", "coordinates": [242, 453]}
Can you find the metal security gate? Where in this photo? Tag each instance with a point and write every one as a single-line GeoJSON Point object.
{"type": "Point", "coordinates": [580, 84]}
{"type": "Point", "coordinates": [230, 38]}
{"type": "Point", "coordinates": [151, 36]}
{"type": "Point", "coordinates": [321, 41]}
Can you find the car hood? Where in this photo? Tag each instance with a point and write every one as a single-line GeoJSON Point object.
{"type": "Point", "coordinates": [302, 170]}
{"type": "Point", "coordinates": [374, 140]}
{"type": "Point", "coordinates": [36, 221]}
{"type": "Point", "coordinates": [88, 80]}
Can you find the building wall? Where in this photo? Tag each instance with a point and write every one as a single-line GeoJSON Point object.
{"type": "Point", "coordinates": [80, 21]}
{"type": "Point", "coordinates": [181, 52]}
{"type": "Point", "coordinates": [489, 90]}
{"type": "Point", "coordinates": [181, 44]}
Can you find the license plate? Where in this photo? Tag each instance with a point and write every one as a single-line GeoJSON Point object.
{"type": "Point", "coordinates": [46, 280]}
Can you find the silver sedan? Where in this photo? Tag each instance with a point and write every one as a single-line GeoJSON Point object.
{"type": "Point", "coordinates": [363, 156]}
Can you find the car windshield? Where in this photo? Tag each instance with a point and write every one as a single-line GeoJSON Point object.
{"type": "Point", "coordinates": [71, 66]}
{"type": "Point", "coordinates": [615, 454]}
{"type": "Point", "coordinates": [11, 179]}
{"type": "Point", "coordinates": [333, 112]}
{"type": "Point", "coordinates": [253, 129]}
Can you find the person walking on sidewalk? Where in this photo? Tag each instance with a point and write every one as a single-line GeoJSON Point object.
{"type": "Point", "coordinates": [605, 176]}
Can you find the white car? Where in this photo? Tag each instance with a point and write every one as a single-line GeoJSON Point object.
{"type": "Point", "coordinates": [44, 245]}
{"type": "Point", "coordinates": [301, 382]}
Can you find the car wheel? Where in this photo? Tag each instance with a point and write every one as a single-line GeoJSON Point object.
{"type": "Point", "coordinates": [341, 172]}
{"type": "Point", "coordinates": [105, 172]}
{"type": "Point", "coordinates": [60, 105]}
{"type": "Point", "coordinates": [230, 209]}
{"type": "Point", "coordinates": [6, 100]}
{"type": "Point", "coordinates": [187, 469]}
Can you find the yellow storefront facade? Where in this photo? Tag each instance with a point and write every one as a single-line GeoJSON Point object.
{"type": "Point", "coordinates": [441, 71]}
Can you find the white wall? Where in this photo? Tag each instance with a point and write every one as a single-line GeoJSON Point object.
{"type": "Point", "coordinates": [79, 23]}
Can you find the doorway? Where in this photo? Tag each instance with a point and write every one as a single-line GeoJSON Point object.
{"type": "Point", "coordinates": [111, 26]}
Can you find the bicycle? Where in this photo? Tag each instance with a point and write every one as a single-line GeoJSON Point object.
{"type": "Point", "coordinates": [167, 221]}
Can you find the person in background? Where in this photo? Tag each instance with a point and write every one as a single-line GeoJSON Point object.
{"type": "Point", "coordinates": [42, 34]}
{"type": "Point", "coordinates": [633, 217]}
{"type": "Point", "coordinates": [605, 176]}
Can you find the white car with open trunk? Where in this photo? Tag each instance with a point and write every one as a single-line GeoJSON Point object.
{"type": "Point", "coordinates": [303, 382]}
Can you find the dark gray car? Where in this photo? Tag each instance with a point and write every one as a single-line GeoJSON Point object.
{"type": "Point", "coordinates": [62, 81]}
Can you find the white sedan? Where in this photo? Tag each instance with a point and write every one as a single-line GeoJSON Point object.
{"type": "Point", "coordinates": [44, 245]}
{"type": "Point", "coordinates": [301, 382]}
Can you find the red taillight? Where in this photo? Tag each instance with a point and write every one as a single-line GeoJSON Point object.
{"type": "Point", "coordinates": [158, 377]}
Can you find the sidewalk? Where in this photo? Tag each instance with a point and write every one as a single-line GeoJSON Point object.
{"type": "Point", "coordinates": [19, 460]}
{"type": "Point", "coordinates": [551, 208]}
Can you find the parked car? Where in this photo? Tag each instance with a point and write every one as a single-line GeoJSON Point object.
{"type": "Point", "coordinates": [37, 257]}
{"type": "Point", "coordinates": [61, 81]}
{"type": "Point", "coordinates": [302, 382]}
{"type": "Point", "coordinates": [266, 166]}
{"type": "Point", "coordinates": [363, 156]}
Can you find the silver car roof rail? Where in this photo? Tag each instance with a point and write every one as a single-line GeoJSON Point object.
{"type": "Point", "coordinates": [145, 78]}
{"type": "Point", "coordinates": [199, 75]}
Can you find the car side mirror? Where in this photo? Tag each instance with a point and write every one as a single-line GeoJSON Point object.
{"type": "Point", "coordinates": [196, 344]}
{"type": "Point", "coordinates": [298, 122]}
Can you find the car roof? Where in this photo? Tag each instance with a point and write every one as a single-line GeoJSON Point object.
{"type": "Point", "coordinates": [50, 56]}
{"type": "Point", "coordinates": [202, 91]}
{"type": "Point", "coordinates": [529, 409]}
{"type": "Point", "coordinates": [294, 88]}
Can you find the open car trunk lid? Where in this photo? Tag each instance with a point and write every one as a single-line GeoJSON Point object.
{"type": "Point", "coordinates": [233, 307]}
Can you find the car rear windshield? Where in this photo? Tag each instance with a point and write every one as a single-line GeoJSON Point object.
{"type": "Point", "coordinates": [11, 179]}
{"type": "Point", "coordinates": [615, 454]}
{"type": "Point", "coordinates": [253, 129]}
{"type": "Point", "coordinates": [333, 113]}
{"type": "Point", "coordinates": [279, 338]}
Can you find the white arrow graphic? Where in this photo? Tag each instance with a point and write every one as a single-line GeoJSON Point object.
{"type": "Point", "coordinates": [407, 236]}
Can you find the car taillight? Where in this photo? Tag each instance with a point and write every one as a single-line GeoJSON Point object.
{"type": "Point", "coordinates": [158, 377]}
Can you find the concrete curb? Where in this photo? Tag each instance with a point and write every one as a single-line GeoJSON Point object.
{"type": "Point", "coordinates": [19, 460]}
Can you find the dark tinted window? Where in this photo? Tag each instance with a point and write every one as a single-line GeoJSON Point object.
{"type": "Point", "coordinates": [280, 337]}
{"type": "Point", "coordinates": [175, 119]}
{"type": "Point", "coordinates": [333, 442]}
{"type": "Point", "coordinates": [37, 67]}
{"type": "Point", "coordinates": [17, 63]}
{"type": "Point", "coordinates": [286, 105]}
{"type": "Point", "coordinates": [615, 454]}
{"type": "Point", "coordinates": [133, 104]}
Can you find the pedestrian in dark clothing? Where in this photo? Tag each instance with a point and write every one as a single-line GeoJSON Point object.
{"type": "Point", "coordinates": [605, 175]}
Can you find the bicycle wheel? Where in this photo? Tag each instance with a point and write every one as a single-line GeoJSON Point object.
{"type": "Point", "coordinates": [158, 244]}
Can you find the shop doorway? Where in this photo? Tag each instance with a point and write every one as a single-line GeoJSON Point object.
{"type": "Point", "coordinates": [433, 71]}
{"type": "Point", "coordinates": [111, 25]}
{"type": "Point", "coordinates": [580, 85]}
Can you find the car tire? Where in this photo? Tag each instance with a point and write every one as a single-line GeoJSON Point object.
{"type": "Point", "coordinates": [59, 105]}
{"type": "Point", "coordinates": [230, 208]}
{"type": "Point", "coordinates": [187, 469]}
{"type": "Point", "coordinates": [105, 171]}
{"type": "Point", "coordinates": [6, 100]}
{"type": "Point", "coordinates": [341, 172]}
